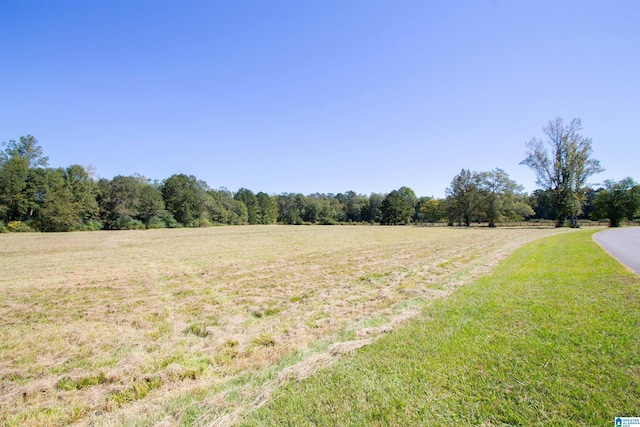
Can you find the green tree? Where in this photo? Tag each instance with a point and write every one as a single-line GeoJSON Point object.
{"type": "Point", "coordinates": [238, 213]}
{"type": "Point", "coordinates": [433, 210]}
{"type": "Point", "coordinates": [267, 211]}
{"type": "Point", "coordinates": [463, 198]}
{"type": "Point", "coordinates": [499, 197]}
{"type": "Point", "coordinates": [542, 203]}
{"type": "Point", "coordinates": [26, 148]}
{"type": "Point", "coordinates": [617, 201]}
{"type": "Point", "coordinates": [399, 206]}
{"type": "Point", "coordinates": [564, 168]}
{"type": "Point", "coordinates": [83, 194]}
{"type": "Point", "coordinates": [312, 206]}
{"type": "Point", "coordinates": [223, 208]}
{"type": "Point", "coordinates": [18, 162]}
{"type": "Point", "coordinates": [352, 205]}
{"type": "Point", "coordinates": [59, 209]}
{"type": "Point", "coordinates": [372, 209]}
{"type": "Point", "coordinates": [291, 207]}
{"type": "Point", "coordinates": [249, 199]}
{"type": "Point", "coordinates": [14, 203]}
{"type": "Point", "coordinates": [186, 198]}
{"type": "Point", "coordinates": [119, 201]}
{"type": "Point", "coordinates": [151, 209]}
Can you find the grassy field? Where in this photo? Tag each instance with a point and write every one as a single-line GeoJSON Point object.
{"type": "Point", "coordinates": [550, 338]}
{"type": "Point", "coordinates": [198, 326]}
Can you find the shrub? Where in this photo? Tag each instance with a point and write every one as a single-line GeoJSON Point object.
{"type": "Point", "coordinates": [200, 222]}
{"type": "Point", "coordinates": [3, 228]}
{"type": "Point", "coordinates": [125, 222]}
{"type": "Point", "coordinates": [91, 225]}
{"type": "Point", "coordinates": [19, 227]}
{"type": "Point", "coordinates": [155, 222]}
{"type": "Point", "coordinates": [168, 219]}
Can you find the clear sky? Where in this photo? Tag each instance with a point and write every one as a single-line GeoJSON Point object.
{"type": "Point", "coordinates": [318, 96]}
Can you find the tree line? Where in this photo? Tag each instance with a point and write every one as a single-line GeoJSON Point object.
{"type": "Point", "coordinates": [36, 197]}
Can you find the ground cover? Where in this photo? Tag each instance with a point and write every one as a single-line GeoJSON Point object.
{"type": "Point", "coordinates": [550, 338]}
{"type": "Point", "coordinates": [182, 327]}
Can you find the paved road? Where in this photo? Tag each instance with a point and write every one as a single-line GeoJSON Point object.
{"type": "Point", "coordinates": [622, 243]}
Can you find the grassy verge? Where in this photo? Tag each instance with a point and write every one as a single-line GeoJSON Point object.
{"type": "Point", "coordinates": [551, 337]}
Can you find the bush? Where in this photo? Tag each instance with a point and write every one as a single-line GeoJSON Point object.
{"type": "Point", "coordinates": [91, 225]}
{"type": "Point", "coordinates": [155, 222]}
{"type": "Point", "coordinates": [3, 228]}
{"type": "Point", "coordinates": [168, 219]}
{"type": "Point", "coordinates": [19, 227]}
{"type": "Point", "coordinates": [200, 222]}
{"type": "Point", "coordinates": [125, 222]}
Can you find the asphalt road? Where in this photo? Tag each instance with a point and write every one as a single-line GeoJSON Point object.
{"type": "Point", "coordinates": [622, 243]}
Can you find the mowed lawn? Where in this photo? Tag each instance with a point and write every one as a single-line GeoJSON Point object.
{"type": "Point", "coordinates": [550, 338]}
{"type": "Point", "coordinates": [190, 326]}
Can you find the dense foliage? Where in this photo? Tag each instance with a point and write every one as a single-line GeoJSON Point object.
{"type": "Point", "coordinates": [617, 201]}
{"type": "Point", "coordinates": [36, 197]}
{"type": "Point", "coordinates": [486, 197]}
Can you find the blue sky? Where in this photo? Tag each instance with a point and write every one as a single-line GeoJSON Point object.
{"type": "Point", "coordinates": [318, 96]}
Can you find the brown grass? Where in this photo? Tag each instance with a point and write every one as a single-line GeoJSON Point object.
{"type": "Point", "coordinates": [195, 325]}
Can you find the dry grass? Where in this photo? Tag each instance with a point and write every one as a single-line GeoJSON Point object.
{"type": "Point", "coordinates": [192, 326]}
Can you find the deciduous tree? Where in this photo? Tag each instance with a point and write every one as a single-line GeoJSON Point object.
{"type": "Point", "coordinates": [499, 197]}
{"type": "Point", "coordinates": [617, 201]}
{"type": "Point", "coordinates": [185, 197]}
{"type": "Point", "coordinates": [399, 206]}
{"type": "Point", "coordinates": [267, 212]}
{"type": "Point", "coordinates": [433, 210]}
{"type": "Point", "coordinates": [26, 148]}
{"type": "Point", "coordinates": [562, 165]}
{"type": "Point", "coordinates": [462, 196]}
{"type": "Point", "coordinates": [249, 199]}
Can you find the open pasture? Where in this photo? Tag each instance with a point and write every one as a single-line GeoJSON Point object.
{"type": "Point", "coordinates": [190, 326]}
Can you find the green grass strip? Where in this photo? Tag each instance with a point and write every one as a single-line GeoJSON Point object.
{"type": "Point", "coordinates": [550, 338]}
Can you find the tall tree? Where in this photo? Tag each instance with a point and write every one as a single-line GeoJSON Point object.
{"type": "Point", "coordinates": [372, 210]}
{"type": "Point", "coordinates": [119, 201]}
{"type": "Point", "coordinates": [291, 207]}
{"type": "Point", "coordinates": [151, 209]}
{"type": "Point", "coordinates": [462, 196]}
{"type": "Point", "coordinates": [14, 203]}
{"type": "Point", "coordinates": [60, 211]}
{"type": "Point", "coordinates": [228, 210]}
{"type": "Point", "coordinates": [249, 199]}
{"type": "Point", "coordinates": [26, 148]}
{"type": "Point", "coordinates": [563, 164]}
{"type": "Point", "coordinates": [267, 212]}
{"type": "Point", "coordinates": [542, 203]}
{"type": "Point", "coordinates": [18, 160]}
{"type": "Point", "coordinates": [83, 192]}
{"type": "Point", "coordinates": [433, 210]}
{"type": "Point", "coordinates": [352, 205]}
{"type": "Point", "coordinates": [500, 197]}
{"type": "Point", "coordinates": [399, 206]}
{"type": "Point", "coordinates": [185, 197]}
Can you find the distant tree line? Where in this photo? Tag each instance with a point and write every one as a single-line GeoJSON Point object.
{"type": "Point", "coordinates": [36, 197]}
